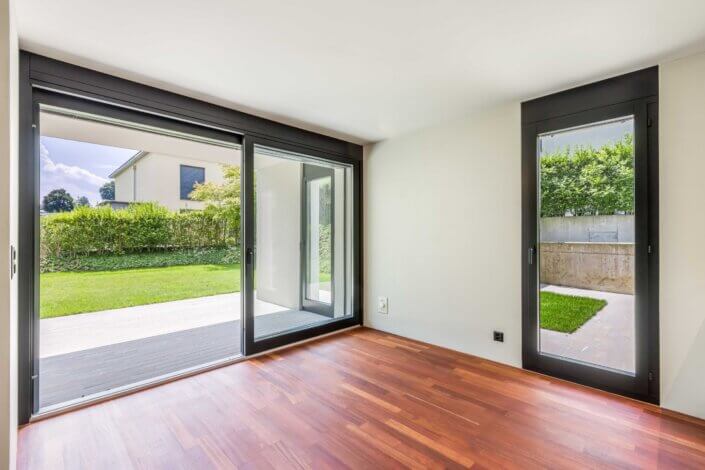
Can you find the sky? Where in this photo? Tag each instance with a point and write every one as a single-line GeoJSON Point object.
{"type": "Point", "coordinates": [597, 136]}
{"type": "Point", "coordinates": [78, 167]}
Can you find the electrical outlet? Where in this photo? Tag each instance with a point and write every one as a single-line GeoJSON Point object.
{"type": "Point", "coordinates": [382, 305]}
{"type": "Point", "coordinates": [499, 336]}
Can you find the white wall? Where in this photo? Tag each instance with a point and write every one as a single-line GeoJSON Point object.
{"type": "Point", "coordinates": [452, 279]}
{"type": "Point", "coordinates": [278, 225]}
{"type": "Point", "coordinates": [158, 179]}
{"type": "Point", "coordinates": [682, 226]}
{"type": "Point", "coordinates": [124, 185]}
{"type": "Point", "coordinates": [443, 234]}
{"type": "Point", "coordinates": [8, 235]}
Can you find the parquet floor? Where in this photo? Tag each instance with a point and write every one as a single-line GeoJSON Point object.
{"type": "Point", "coordinates": [365, 399]}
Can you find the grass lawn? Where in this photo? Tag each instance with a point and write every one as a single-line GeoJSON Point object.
{"type": "Point", "coordinates": [567, 313]}
{"type": "Point", "coordinates": [68, 293]}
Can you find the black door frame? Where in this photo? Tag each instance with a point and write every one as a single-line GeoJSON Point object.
{"type": "Point", "coordinates": [311, 173]}
{"type": "Point", "coordinates": [636, 95]}
{"type": "Point", "coordinates": [252, 346]}
{"type": "Point", "coordinates": [48, 81]}
{"type": "Point", "coordinates": [31, 169]}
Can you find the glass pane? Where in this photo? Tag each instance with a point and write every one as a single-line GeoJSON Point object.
{"type": "Point", "coordinates": [320, 205]}
{"type": "Point", "coordinates": [302, 242]}
{"type": "Point", "coordinates": [586, 243]}
{"type": "Point", "coordinates": [136, 280]}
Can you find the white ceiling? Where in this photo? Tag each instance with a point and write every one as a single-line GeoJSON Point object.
{"type": "Point", "coordinates": [364, 70]}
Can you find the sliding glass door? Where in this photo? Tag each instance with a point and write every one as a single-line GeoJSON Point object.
{"type": "Point", "coordinates": [138, 251]}
{"type": "Point", "coordinates": [298, 234]}
{"type": "Point", "coordinates": [590, 235]}
{"type": "Point", "coordinates": [163, 236]}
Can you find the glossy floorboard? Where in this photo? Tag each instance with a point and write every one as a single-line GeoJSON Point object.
{"type": "Point", "coordinates": [365, 399]}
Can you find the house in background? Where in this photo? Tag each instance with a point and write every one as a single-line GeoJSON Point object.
{"type": "Point", "coordinates": [165, 179]}
{"type": "Point", "coordinates": [164, 171]}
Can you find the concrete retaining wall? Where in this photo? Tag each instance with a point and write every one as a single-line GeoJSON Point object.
{"type": "Point", "coordinates": [606, 267]}
{"type": "Point", "coordinates": [592, 228]}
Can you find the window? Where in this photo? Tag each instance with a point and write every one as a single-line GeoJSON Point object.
{"type": "Point", "coordinates": [303, 213]}
{"type": "Point", "coordinates": [190, 175]}
{"type": "Point", "coordinates": [300, 247]}
{"type": "Point", "coordinates": [590, 219]}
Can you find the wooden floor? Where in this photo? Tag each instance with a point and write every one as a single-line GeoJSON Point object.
{"type": "Point", "coordinates": [365, 399]}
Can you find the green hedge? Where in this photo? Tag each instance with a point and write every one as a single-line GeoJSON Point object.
{"type": "Point", "coordinates": [157, 259]}
{"type": "Point", "coordinates": [589, 181]}
{"type": "Point", "coordinates": [324, 249]}
{"type": "Point", "coordinates": [139, 228]}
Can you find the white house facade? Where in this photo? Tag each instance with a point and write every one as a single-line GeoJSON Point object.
{"type": "Point", "coordinates": [164, 179]}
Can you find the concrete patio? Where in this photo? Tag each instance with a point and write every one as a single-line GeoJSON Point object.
{"type": "Point", "coordinates": [90, 330]}
{"type": "Point", "coordinates": [607, 339]}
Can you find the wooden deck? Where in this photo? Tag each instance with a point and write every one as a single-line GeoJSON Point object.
{"type": "Point", "coordinates": [366, 399]}
{"type": "Point", "coordinates": [71, 376]}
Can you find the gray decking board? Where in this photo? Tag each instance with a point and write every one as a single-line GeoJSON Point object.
{"type": "Point", "coordinates": [78, 374]}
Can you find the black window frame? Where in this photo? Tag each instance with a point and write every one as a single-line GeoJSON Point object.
{"type": "Point", "coordinates": [253, 345]}
{"type": "Point", "coordinates": [634, 94]}
{"type": "Point", "coordinates": [43, 80]}
{"type": "Point", "coordinates": [309, 174]}
{"type": "Point", "coordinates": [181, 180]}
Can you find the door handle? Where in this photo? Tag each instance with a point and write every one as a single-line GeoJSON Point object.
{"type": "Point", "coordinates": [249, 256]}
{"type": "Point", "coordinates": [532, 251]}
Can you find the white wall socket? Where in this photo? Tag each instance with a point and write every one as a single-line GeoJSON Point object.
{"type": "Point", "coordinates": [382, 305]}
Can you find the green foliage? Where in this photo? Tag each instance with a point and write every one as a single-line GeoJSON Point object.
{"type": "Point", "coordinates": [324, 249]}
{"type": "Point", "coordinates": [57, 200]}
{"type": "Point", "coordinates": [142, 227]}
{"type": "Point", "coordinates": [222, 200]}
{"type": "Point", "coordinates": [567, 313]}
{"type": "Point", "coordinates": [589, 181]}
{"type": "Point", "coordinates": [110, 262]}
{"type": "Point", "coordinates": [107, 191]}
{"type": "Point", "coordinates": [82, 202]}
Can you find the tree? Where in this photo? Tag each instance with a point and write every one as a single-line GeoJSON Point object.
{"type": "Point", "coordinates": [589, 181]}
{"type": "Point", "coordinates": [58, 200]}
{"type": "Point", "coordinates": [83, 202]}
{"type": "Point", "coordinates": [107, 191]}
{"type": "Point", "coordinates": [223, 200]}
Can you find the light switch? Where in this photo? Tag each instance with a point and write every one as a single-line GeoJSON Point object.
{"type": "Point", "coordinates": [382, 305]}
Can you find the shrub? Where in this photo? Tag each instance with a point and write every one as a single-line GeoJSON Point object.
{"type": "Point", "coordinates": [324, 249]}
{"type": "Point", "coordinates": [111, 262]}
{"type": "Point", "coordinates": [588, 181]}
{"type": "Point", "coordinates": [142, 227]}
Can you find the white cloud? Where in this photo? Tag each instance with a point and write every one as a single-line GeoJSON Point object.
{"type": "Point", "coordinates": [74, 179]}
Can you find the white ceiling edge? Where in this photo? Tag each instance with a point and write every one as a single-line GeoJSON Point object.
{"type": "Point", "coordinates": [362, 71]}
{"type": "Point", "coordinates": [686, 51]}
{"type": "Point", "coordinates": [52, 53]}
{"type": "Point", "coordinates": [681, 53]}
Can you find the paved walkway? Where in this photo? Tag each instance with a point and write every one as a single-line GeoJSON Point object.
{"type": "Point", "coordinates": [91, 330]}
{"type": "Point", "coordinates": [607, 339]}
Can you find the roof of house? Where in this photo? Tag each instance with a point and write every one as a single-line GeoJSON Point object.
{"type": "Point", "coordinates": [131, 161]}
